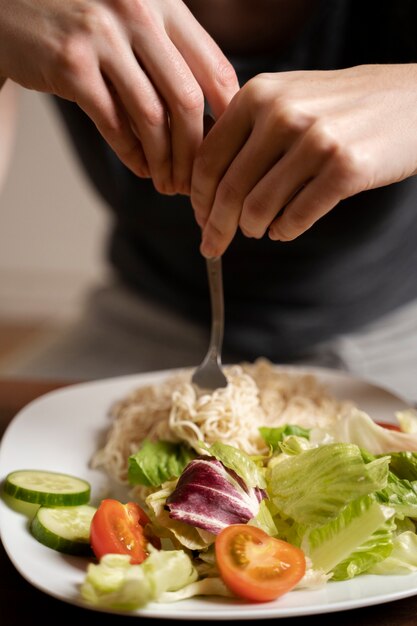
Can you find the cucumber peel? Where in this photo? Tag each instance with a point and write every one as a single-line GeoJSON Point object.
{"type": "Point", "coordinates": [47, 488]}
{"type": "Point", "coordinates": [66, 529]}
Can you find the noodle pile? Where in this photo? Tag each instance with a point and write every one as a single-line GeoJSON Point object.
{"type": "Point", "coordinates": [258, 394]}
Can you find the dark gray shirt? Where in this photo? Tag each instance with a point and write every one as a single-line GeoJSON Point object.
{"type": "Point", "coordinates": [355, 264]}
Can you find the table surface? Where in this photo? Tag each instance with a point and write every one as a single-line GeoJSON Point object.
{"type": "Point", "coordinates": [20, 602]}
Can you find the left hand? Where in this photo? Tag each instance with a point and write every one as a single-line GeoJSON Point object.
{"type": "Point", "coordinates": [291, 145]}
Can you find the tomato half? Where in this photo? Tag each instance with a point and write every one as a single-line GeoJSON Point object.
{"type": "Point", "coordinates": [118, 528]}
{"type": "Point", "coordinates": [254, 565]}
{"type": "Point", "coordinates": [389, 426]}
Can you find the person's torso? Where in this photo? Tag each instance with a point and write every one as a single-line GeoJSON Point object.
{"type": "Point", "coordinates": [353, 265]}
{"type": "Point", "coordinates": [252, 26]}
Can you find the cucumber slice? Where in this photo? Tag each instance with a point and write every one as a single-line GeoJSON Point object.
{"type": "Point", "coordinates": [24, 508]}
{"type": "Point", "coordinates": [47, 488]}
{"type": "Point", "coordinates": [65, 528]}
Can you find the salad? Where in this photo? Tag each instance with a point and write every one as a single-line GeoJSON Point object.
{"type": "Point", "coordinates": [319, 504]}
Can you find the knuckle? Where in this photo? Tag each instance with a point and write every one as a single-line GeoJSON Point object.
{"type": "Point", "coordinates": [253, 91]}
{"type": "Point", "coordinates": [153, 114]}
{"type": "Point", "coordinates": [228, 194]}
{"type": "Point", "coordinates": [191, 101]}
{"type": "Point", "coordinates": [70, 57]}
{"type": "Point", "coordinates": [95, 19]}
{"type": "Point", "coordinates": [351, 166]}
{"type": "Point", "coordinates": [139, 11]}
{"type": "Point", "coordinates": [226, 75]}
{"type": "Point", "coordinates": [253, 215]}
{"type": "Point", "coordinates": [215, 230]}
{"type": "Point", "coordinates": [199, 199]}
{"type": "Point", "coordinates": [91, 20]}
{"type": "Point", "coordinates": [126, 149]}
{"type": "Point", "coordinates": [111, 125]}
{"type": "Point", "coordinates": [203, 168]}
{"type": "Point", "coordinates": [349, 163]}
{"type": "Point", "coordinates": [284, 230]}
{"type": "Point", "coordinates": [71, 49]}
{"type": "Point", "coordinates": [286, 114]}
{"type": "Point", "coordinates": [324, 140]}
{"type": "Point", "coordinates": [291, 224]}
{"type": "Point", "coordinates": [297, 220]}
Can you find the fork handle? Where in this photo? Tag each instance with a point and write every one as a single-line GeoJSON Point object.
{"type": "Point", "coordinates": [215, 279]}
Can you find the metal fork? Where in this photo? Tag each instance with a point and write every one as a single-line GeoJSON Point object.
{"type": "Point", "coordinates": [209, 374]}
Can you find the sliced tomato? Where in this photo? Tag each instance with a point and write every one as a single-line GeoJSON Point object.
{"type": "Point", "coordinates": [118, 528]}
{"type": "Point", "coordinates": [389, 426]}
{"type": "Point", "coordinates": [254, 565]}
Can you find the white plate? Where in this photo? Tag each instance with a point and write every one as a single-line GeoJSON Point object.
{"type": "Point", "coordinates": [60, 432]}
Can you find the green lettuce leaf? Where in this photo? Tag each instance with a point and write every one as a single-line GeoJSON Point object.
{"type": "Point", "coordinates": [401, 495]}
{"type": "Point", "coordinates": [355, 540]}
{"type": "Point", "coordinates": [314, 486]}
{"type": "Point", "coordinates": [403, 558]}
{"type": "Point", "coordinates": [116, 583]}
{"type": "Point", "coordinates": [157, 462]}
{"type": "Point", "coordinates": [377, 548]}
{"type": "Point", "coordinates": [264, 520]}
{"type": "Point", "coordinates": [294, 445]}
{"type": "Point", "coordinates": [212, 586]}
{"type": "Point", "coordinates": [404, 464]}
{"type": "Point", "coordinates": [239, 462]}
{"type": "Point", "coordinates": [273, 436]}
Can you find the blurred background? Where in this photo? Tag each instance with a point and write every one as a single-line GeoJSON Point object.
{"type": "Point", "coordinates": [52, 229]}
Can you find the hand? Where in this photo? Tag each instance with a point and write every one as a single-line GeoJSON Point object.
{"type": "Point", "coordinates": [139, 69]}
{"type": "Point", "coordinates": [292, 145]}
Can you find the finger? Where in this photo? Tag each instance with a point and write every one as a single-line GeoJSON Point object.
{"type": "Point", "coordinates": [186, 124]}
{"type": "Point", "coordinates": [312, 202]}
{"type": "Point", "coordinates": [213, 71]}
{"type": "Point", "coordinates": [186, 65]}
{"type": "Point", "coordinates": [219, 149]}
{"type": "Point", "coordinates": [97, 101]}
{"type": "Point", "coordinates": [263, 149]}
{"type": "Point", "coordinates": [276, 189]}
{"type": "Point", "coordinates": [146, 111]}
{"type": "Point", "coordinates": [251, 165]}
{"type": "Point", "coordinates": [185, 102]}
{"type": "Point", "coordinates": [183, 98]}
{"type": "Point", "coordinates": [312, 153]}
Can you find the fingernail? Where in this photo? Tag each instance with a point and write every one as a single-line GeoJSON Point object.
{"type": "Point", "coordinates": [207, 248]}
{"type": "Point", "coordinates": [273, 236]}
{"type": "Point", "coordinates": [143, 173]}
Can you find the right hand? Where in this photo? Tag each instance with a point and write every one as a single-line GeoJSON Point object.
{"type": "Point", "coordinates": [139, 69]}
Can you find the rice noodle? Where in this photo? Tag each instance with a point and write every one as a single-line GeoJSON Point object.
{"type": "Point", "coordinates": [258, 394]}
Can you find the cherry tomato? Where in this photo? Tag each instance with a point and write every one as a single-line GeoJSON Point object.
{"type": "Point", "coordinates": [118, 528]}
{"type": "Point", "coordinates": [254, 565]}
{"type": "Point", "coordinates": [389, 426]}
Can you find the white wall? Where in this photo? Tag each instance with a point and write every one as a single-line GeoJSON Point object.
{"type": "Point", "coordinates": [52, 225]}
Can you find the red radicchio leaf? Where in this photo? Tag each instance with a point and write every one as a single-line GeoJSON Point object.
{"type": "Point", "coordinates": [211, 496]}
